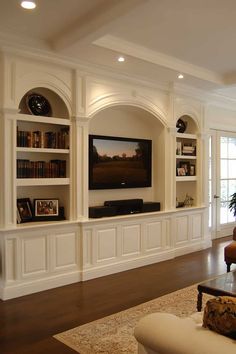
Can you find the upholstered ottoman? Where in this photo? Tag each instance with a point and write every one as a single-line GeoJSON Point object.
{"type": "Point", "coordinates": [163, 333]}
{"type": "Point", "coordinates": [230, 252]}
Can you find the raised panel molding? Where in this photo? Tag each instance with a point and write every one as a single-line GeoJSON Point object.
{"type": "Point", "coordinates": [165, 233]}
{"type": "Point", "coordinates": [131, 240]}
{"type": "Point", "coordinates": [65, 250]}
{"type": "Point", "coordinates": [154, 236]}
{"type": "Point", "coordinates": [87, 247]}
{"type": "Point", "coordinates": [196, 226]}
{"type": "Point", "coordinates": [34, 256]}
{"type": "Point", "coordinates": [181, 229]}
{"type": "Point", "coordinates": [106, 244]}
{"type": "Point", "coordinates": [11, 259]}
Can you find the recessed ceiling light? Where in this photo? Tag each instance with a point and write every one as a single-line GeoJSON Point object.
{"type": "Point", "coordinates": [29, 5]}
{"type": "Point", "coordinates": [180, 76]}
{"type": "Point", "coordinates": [121, 59]}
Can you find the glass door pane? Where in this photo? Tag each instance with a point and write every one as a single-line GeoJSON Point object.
{"type": "Point", "coordinates": [227, 176]}
{"type": "Point", "coordinates": [222, 182]}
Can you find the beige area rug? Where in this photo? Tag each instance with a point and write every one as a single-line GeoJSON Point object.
{"type": "Point", "coordinates": [114, 334]}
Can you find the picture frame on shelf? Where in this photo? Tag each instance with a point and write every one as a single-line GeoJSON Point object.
{"type": "Point", "coordinates": [181, 171]}
{"type": "Point", "coordinates": [46, 207]}
{"type": "Point", "coordinates": [186, 166]}
{"type": "Point", "coordinates": [178, 148]}
{"type": "Point", "coordinates": [47, 210]}
{"type": "Point", "coordinates": [192, 170]}
{"type": "Point", "coordinates": [24, 210]}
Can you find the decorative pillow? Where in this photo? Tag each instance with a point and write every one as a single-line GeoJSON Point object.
{"type": "Point", "coordinates": [220, 315]}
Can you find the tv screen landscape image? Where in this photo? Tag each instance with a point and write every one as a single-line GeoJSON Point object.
{"type": "Point", "coordinates": [117, 162]}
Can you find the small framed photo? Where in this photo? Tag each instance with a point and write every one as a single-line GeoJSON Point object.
{"type": "Point", "coordinates": [24, 210]}
{"type": "Point", "coordinates": [178, 148]}
{"type": "Point", "coordinates": [181, 171]}
{"type": "Point", "coordinates": [192, 170]}
{"type": "Point", "coordinates": [46, 208]}
{"type": "Point", "coordinates": [186, 166]}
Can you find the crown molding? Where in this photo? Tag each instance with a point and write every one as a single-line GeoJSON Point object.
{"type": "Point", "coordinates": [88, 69]}
{"type": "Point", "coordinates": [206, 97]}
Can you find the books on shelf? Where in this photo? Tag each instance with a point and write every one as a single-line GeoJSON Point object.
{"type": "Point", "coordinates": [189, 150]}
{"type": "Point", "coordinates": [41, 139]}
{"type": "Point", "coordinates": [41, 169]}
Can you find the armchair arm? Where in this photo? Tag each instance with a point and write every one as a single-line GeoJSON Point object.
{"type": "Point", "coordinates": [234, 234]}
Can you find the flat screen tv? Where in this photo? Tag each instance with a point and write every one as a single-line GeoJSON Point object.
{"type": "Point", "coordinates": [118, 162]}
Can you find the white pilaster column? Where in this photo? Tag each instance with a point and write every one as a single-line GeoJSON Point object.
{"type": "Point", "coordinates": [79, 168]}
{"type": "Point", "coordinates": [8, 167]}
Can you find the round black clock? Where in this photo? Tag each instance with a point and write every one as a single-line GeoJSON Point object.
{"type": "Point", "coordinates": [38, 105]}
{"type": "Point", "coordinates": [181, 126]}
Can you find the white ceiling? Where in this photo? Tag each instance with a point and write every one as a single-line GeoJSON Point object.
{"type": "Point", "coordinates": [159, 38]}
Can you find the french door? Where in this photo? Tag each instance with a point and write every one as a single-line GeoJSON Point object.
{"type": "Point", "coordinates": [222, 182]}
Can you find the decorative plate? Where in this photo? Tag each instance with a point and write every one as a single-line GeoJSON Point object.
{"type": "Point", "coordinates": [181, 126]}
{"type": "Point", "coordinates": [38, 105]}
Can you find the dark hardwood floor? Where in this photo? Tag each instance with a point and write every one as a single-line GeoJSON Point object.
{"type": "Point", "coordinates": [27, 324]}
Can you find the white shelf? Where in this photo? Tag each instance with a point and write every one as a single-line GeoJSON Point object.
{"type": "Point", "coordinates": [43, 150]}
{"type": "Point", "coordinates": [186, 157]}
{"type": "Point", "coordinates": [185, 178]}
{"type": "Point", "coordinates": [42, 119]}
{"type": "Point", "coordinates": [20, 182]}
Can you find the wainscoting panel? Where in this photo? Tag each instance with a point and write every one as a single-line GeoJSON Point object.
{"type": "Point", "coordinates": [181, 229]}
{"type": "Point", "coordinates": [66, 252]}
{"type": "Point", "coordinates": [196, 221]}
{"type": "Point", "coordinates": [87, 247]}
{"type": "Point", "coordinates": [106, 244]}
{"type": "Point", "coordinates": [53, 256]}
{"type": "Point", "coordinates": [154, 236]}
{"type": "Point", "coordinates": [131, 240]}
{"type": "Point", "coordinates": [34, 255]}
{"type": "Point", "coordinates": [11, 259]}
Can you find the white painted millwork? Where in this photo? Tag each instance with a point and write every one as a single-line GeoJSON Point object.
{"type": "Point", "coordinates": [41, 255]}
{"type": "Point", "coordinates": [137, 240]}
{"type": "Point", "coordinates": [35, 258]}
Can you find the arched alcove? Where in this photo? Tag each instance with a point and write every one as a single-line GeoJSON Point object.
{"type": "Point", "coordinates": [132, 122]}
{"type": "Point", "coordinates": [57, 105]}
{"type": "Point", "coordinates": [190, 122]}
{"type": "Point", "coordinates": [188, 167]}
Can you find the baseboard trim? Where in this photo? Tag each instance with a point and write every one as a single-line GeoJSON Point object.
{"type": "Point", "coordinates": [108, 269]}
{"type": "Point", "coordinates": [25, 288]}
{"type": "Point", "coordinates": [180, 251]}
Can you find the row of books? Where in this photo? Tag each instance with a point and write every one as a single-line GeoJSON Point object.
{"type": "Point", "coordinates": [185, 149]}
{"type": "Point", "coordinates": [189, 150]}
{"type": "Point", "coordinates": [41, 139]}
{"type": "Point", "coordinates": [41, 169]}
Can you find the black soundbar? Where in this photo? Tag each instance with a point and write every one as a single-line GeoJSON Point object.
{"type": "Point", "coordinates": [151, 206]}
{"type": "Point", "coordinates": [126, 206]}
{"type": "Point", "coordinates": [123, 207]}
{"type": "Point", "coordinates": [101, 211]}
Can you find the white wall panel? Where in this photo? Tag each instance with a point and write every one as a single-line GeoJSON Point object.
{"type": "Point", "coordinates": [11, 259]}
{"type": "Point", "coordinates": [181, 229]}
{"type": "Point", "coordinates": [131, 237]}
{"type": "Point", "coordinates": [34, 255]}
{"type": "Point", "coordinates": [87, 248]}
{"type": "Point", "coordinates": [196, 226]}
{"type": "Point", "coordinates": [66, 250]}
{"type": "Point", "coordinates": [166, 237]}
{"type": "Point", "coordinates": [106, 240]}
{"type": "Point", "coordinates": [154, 236]}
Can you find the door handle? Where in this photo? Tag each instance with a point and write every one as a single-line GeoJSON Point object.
{"type": "Point", "coordinates": [216, 196]}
